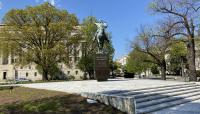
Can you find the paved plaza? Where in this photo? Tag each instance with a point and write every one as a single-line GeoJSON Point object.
{"type": "Point", "coordinates": [93, 86]}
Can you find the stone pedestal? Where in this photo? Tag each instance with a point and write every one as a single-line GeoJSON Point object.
{"type": "Point", "coordinates": [101, 67]}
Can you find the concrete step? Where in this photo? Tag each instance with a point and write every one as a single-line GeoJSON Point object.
{"type": "Point", "coordinates": [165, 100]}
{"type": "Point", "coordinates": [142, 95]}
{"type": "Point", "coordinates": [128, 93]}
{"type": "Point", "coordinates": [166, 95]}
{"type": "Point", "coordinates": [164, 105]}
{"type": "Point", "coordinates": [119, 92]}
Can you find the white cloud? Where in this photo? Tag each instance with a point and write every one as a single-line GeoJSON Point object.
{"type": "Point", "coordinates": [1, 5]}
{"type": "Point", "coordinates": [52, 2]}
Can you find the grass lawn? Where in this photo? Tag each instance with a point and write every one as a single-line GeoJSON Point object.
{"type": "Point", "coordinates": [34, 101]}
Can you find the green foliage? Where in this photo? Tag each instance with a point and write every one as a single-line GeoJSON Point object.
{"type": "Point", "coordinates": [154, 69]}
{"type": "Point", "coordinates": [136, 62]}
{"type": "Point", "coordinates": [177, 57]}
{"type": "Point", "coordinates": [115, 66]}
{"type": "Point", "coordinates": [178, 49]}
{"type": "Point", "coordinates": [89, 29]}
{"type": "Point", "coordinates": [53, 71]}
{"type": "Point", "coordinates": [70, 78]}
{"type": "Point", "coordinates": [86, 63]}
{"type": "Point", "coordinates": [38, 34]}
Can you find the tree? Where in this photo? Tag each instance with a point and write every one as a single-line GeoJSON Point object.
{"type": "Point", "coordinates": [40, 35]}
{"type": "Point", "coordinates": [86, 63]}
{"type": "Point", "coordinates": [89, 48]}
{"type": "Point", "coordinates": [185, 14]}
{"type": "Point", "coordinates": [156, 42]}
{"type": "Point", "coordinates": [115, 66]}
{"type": "Point", "coordinates": [136, 62]}
{"type": "Point", "coordinates": [177, 58]}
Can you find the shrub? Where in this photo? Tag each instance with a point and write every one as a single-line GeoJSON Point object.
{"type": "Point", "coordinates": [70, 77]}
{"type": "Point", "coordinates": [198, 73]}
{"type": "Point", "coordinates": [154, 70]}
{"type": "Point", "coordinates": [128, 74]}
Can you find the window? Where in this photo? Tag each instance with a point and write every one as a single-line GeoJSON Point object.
{"type": "Point", "coordinates": [29, 66]}
{"type": "Point", "coordinates": [68, 72]}
{"type": "Point", "coordinates": [4, 75]}
{"type": "Point", "coordinates": [35, 74]}
{"type": "Point", "coordinates": [5, 60]}
{"type": "Point", "coordinates": [16, 74]}
{"type": "Point", "coordinates": [21, 67]}
{"type": "Point", "coordinates": [15, 60]}
{"type": "Point", "coordinates": [75, 49]}
{"type": "Point", "coordinates": [12, 58]}
{"type": "Point", "coordinates": [75, 59]}
{"type": "Point", "coordinates": [26, 74]}
{"type": "Point", "coordinates": [77, 72]}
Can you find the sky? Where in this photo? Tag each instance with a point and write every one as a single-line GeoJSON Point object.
{"type": "Point", "coordinates": [123, 17]}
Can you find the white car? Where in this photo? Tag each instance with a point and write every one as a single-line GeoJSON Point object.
{"type": "Point", "coordinates": [22, 80]}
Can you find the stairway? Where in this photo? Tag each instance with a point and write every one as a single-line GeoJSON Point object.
{"type": "Point", "coordinates": [149, 100]}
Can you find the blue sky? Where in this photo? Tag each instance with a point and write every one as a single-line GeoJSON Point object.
{"type": "Point", "coordinates": [123, 17]}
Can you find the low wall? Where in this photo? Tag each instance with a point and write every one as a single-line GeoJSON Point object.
{"type": "Point", "coordinates": [124, 104]}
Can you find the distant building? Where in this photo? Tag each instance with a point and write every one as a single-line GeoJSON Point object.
{"type": "Point", "coordinates": [122, 60]}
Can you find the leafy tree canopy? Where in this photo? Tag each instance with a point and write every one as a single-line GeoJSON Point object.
{"type": "Point", "coordinates": [39, 34]}
{"type": "Point", "coordinates": [137, 62]}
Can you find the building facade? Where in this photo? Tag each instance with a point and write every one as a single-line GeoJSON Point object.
{"type": "Point", "coordinates": [11, 71]}
{"type": "Point", "coordinates": [122, 60]}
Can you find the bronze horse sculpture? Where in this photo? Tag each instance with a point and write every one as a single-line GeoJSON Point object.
{"type": "Point", "coordinates": [101, 35]}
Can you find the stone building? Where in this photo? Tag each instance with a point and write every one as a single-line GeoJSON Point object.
{"type": "Point", "coordinates": [122, 60]}
{"type": "Point", "coordinates": [10, 71]}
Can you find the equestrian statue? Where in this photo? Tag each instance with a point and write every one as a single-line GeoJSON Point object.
{"type": "Point", "coordinates": [101, 36]}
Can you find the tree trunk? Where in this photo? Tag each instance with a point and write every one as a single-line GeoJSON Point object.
{"type": "Point", "coordinates": [85, 75]}
{"type": "Point", "coordinates": [191, 60]}
{"type": "Point", "coordinates": [163, 70]}
{"type": "Point", "coordinates": [91, 75]}
{"type": "Point", "coordinates": [182, 67]}
{"type": "Point", "coordinates": [45, 74]}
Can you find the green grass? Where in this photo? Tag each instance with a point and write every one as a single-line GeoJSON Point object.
{"type": "Point", "coordinates": [34, 101]}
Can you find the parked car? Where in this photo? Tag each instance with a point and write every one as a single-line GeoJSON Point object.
{"type": "Point", "coordinates": [22, 80]}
